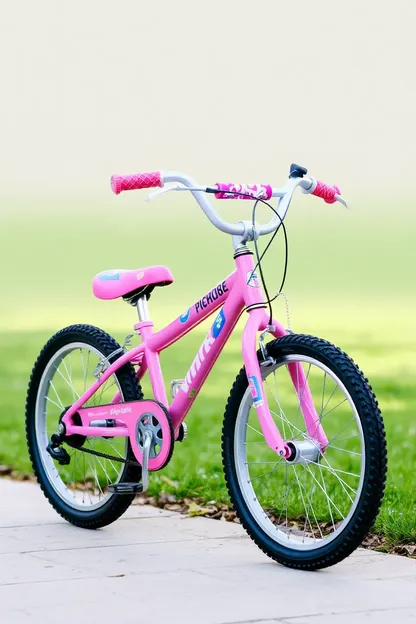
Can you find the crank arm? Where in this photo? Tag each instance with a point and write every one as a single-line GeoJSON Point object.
{"type": "Point", "coordinates": [136, 488]}
{"type": "Point", "coordinates": [147, 442]}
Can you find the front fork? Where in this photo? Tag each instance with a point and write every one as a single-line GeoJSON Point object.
{"type": "Point", "coordinates": [258, 321]}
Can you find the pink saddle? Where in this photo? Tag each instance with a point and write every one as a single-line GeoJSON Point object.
{"type": "Point", "coordinates": [130, 284]}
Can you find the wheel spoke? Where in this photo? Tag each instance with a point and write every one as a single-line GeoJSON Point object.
{"type": "Point", "coordinates": [264, 474]}
{"type": "Point", "coordinates": [343, 429]}
{"type": "Point", "coordinates": [348, 438]}
{"type": "Point", "coordinates": [256, 430]}
{"type": "Point", "coordinates": [67, 382]}
{"type": "Point", "coordinates": [332, 409]}
{"type": "Point", "coordinates": [261, 462]}
{"type": "Point", "coordinates": [326, 404]}
{"type": "Point", "coordinates": [351, 474]}
{"type": "Point", "coordinates": [105, 471]}
{"type": "Point", "coordinates": [306, 467]}
{"type": "Point", "coordinates": [344, 450]}
{"type": "Point", "coordinates": [56, 394]}
{"type": "Point", "coordinates": [344, 483]}
{"type": "Point", "coordinates": [116, 451]}
{"type": "Point", "coordinates": [254, 442]}
{"type": "Point", "coordinates": [94, 472]}
{"type": "Point", "coordinates": [51, 401]}
{"type": "Point", "coordinates": [105, 388]}
{"type": "Point", "coordinates": [288, 489]}
{"type": "Point", "coordinates": [307, 519]}
{"type": "Point", "coordinates": [326, 496]}
{"type": "Point", "coordinates": [282, 414]}
{"type": "Point", "coordinates": [299, 431]}
{"type": "Point", "coordinates": [69, 373]}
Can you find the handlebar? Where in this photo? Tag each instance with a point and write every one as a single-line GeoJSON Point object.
{"type": "Point", "coordinates": [330, 194]}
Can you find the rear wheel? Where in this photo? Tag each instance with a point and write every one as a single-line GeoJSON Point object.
{"type": "Point", "coordinates": [313, 511]}
{"type": "Point", "coordinates": [63, 371]}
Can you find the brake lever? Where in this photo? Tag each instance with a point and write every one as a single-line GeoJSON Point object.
{"type": "Point", "coordinates": [175, 187]}
{"type": "Point", "coordinates": [342, 201]}
{"type": "Point", "coordinates": [160, 191]}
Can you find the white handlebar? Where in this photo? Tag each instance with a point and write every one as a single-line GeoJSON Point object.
{"type": "Point", "coordinates": [243, 229]}
{"type": "Point", "coordinates": [237, 229]}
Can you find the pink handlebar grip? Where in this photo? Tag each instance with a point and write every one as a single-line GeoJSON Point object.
{"type": "Point", "coordinates": [136, 181]}
{"type": "Point", "coordinates": [326, 192]}
{"type": "Point", "coordinates": [253, 191]}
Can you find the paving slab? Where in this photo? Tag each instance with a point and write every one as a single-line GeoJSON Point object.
{"type": "Point", "coordinates": [156, 565]}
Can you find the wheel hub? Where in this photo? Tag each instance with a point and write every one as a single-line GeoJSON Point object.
{"type": "Point", "coordinates": [75, 440]}
{"type": "Point", "coordinates": [303, 452]}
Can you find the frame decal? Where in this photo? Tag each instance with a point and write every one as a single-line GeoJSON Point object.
{"type": "Point", "coordinates": [213, 295]}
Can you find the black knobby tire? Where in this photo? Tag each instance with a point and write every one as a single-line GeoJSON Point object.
{"type": "Point", "coordinates": [115, 506]}
{"type": "Point", "coordinates": [372, 491]}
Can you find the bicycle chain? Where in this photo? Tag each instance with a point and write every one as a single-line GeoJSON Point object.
{"type": "Point", "coordinates": [122, 460]}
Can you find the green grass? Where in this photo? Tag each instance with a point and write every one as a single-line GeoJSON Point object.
{"type": "Point", "coordinates": [196, 465]}
{"type": "Point", "coordinates": [348, 282]}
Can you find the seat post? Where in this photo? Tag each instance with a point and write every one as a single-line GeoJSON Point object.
{"type": "Point", "coordinates": [143, 309]}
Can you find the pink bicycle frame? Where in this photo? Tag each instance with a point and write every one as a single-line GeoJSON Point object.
{"type": "Point", "coordinates": [237, 292]}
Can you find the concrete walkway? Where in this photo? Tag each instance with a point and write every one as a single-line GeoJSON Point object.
{"type": "Point", "coordinates": [156, 566]}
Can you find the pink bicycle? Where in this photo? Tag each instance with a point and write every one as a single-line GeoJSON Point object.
{"type": "Point", "coordinates": [303, 443]}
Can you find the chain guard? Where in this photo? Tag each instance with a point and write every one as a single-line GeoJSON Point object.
{"type": "Point", "coordinates": [139, 416]}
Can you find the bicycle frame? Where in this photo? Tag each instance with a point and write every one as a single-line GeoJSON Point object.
{"type": "Point", "coordinates": [240, 290]}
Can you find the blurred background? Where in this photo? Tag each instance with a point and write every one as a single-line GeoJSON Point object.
{"type": "Point", "coordinates": [224, 91]}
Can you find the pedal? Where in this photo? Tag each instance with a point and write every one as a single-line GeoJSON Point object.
{"type": "Point", "coordinates": [121, 489]}
{"type": "Point", "coordinates": [147, 441]}
{"type": "Point", "coordinates": [125, 488]}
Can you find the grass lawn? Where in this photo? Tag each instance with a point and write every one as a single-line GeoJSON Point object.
{"type": "Point", "coordinates": [345, 293]}
{"type": "Point", "coordinates": [196, 464]}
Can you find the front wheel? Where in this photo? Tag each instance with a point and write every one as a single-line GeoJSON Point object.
{"type": "Point", "coordinates": [313, 511]}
